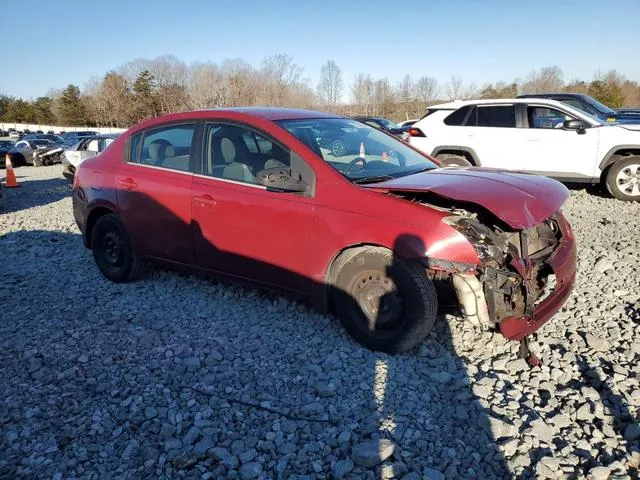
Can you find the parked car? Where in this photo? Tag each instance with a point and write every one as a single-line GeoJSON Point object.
{"type": "Point", "coordinates": [6, 147]}
{"type": "Point", "coordinates": [250, 193]}
{"type": "Point", "coordinates": [85, 148]}
{"type": "Point", "coordinates": [589, 105]}
{"type": "Point", "coordinates": [39, 136]}
{"type": "Point", "coordinates": [385, 125]}
{"type": "Point", "coordinates": [71, 138]}
{"type": "Point", "coordinates": [408, 123]}
{"type": "Point", "coordinates": [14, 134]}
{"type": "Point", "coordinates": [533, 135]}
{"type": "Point", "coordinates": [628, 111]}
{"type": "Point", "coordinates": [36, 152]}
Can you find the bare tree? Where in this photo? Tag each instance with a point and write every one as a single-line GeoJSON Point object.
{"type": "Point", "coordinates": [406, 90]}
{"type": "Point", "coordinates": [330, 85]}
{"type": "Point", "coordinates": [241, 82]}
{"type": "Point", "coordinates": [455, 88]}
{"type": "Point", "coordinates": [362, 93]}
{"type": "Point", "coordinates": [278, 72]}
{"type": "Point", "coordinates": [548, 79]}
{"type": "Point", "coordinates": [206, 86]}
{"type": "Point", "coordinates": [426, 90]}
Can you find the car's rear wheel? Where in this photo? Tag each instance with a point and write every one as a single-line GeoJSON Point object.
{"type": "Point", "coordinates": [113, 250]}
{"type": "Point", "coordinates": [453, 159]}
{"type": "Point", "coordinates": [623, 179]}
{"type": "Point", "coordinates": [385, 302]}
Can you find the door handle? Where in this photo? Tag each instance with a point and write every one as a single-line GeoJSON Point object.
{"type": "Point", "coordinates": [205, 200]}
{"type": "Point", "coordinates": [128, 184]}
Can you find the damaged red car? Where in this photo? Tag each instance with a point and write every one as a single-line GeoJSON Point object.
{"type": "Point", "coordinates": [377, 233]}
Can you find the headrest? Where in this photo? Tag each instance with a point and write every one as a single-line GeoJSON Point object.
{"type": "Point", "coordinates": [228, 150]}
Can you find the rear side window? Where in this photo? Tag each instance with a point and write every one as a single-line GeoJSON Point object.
{"type": "Point", "coordinates": [167, 147]}
{"type": "Point", "coordinates": [496, 116]}
{"type": "Point", "coordinates": [458, 117]}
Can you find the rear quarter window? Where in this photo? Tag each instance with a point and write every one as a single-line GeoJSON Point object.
{"type": "Point", "coordinates": [458, 117]}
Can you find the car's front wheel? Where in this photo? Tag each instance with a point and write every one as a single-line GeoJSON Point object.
{"type": "Point", "coordinates": [385, 302]}
{"type": "Point", "coordinates": [623, 179]}
{"type": "Point", "coordinates": [113, 250]}
{"type": "Point", "coordinates": [337, 148]}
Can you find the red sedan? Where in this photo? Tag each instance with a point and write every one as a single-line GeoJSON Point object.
{"type": "Point", "coordinates": [376, 234]}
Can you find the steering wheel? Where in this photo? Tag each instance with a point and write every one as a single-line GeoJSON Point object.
{"type": "Point", "coordinates": [352, 163]}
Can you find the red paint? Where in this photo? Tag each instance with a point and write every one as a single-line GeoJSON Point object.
{"type": "Point", "coordinates": [289, 240]}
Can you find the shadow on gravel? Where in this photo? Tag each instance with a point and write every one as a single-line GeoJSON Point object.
{"type": "Point", "coordinates": [600, 379]}
{"type": "Point", "coordinates": [304, 383]}
{"type": "Point", "coordinates": [596, 190]}
{"type": "Point", "coordinates": [33, 193]}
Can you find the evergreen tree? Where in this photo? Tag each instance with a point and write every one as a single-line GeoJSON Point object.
{"type": "Point", "coordinates": [72, 110]}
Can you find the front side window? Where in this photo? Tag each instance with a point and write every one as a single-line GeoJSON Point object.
{"type": "Point", "coordinates": [237, 153]}
{"type": "Point", "coordinates": [545, 117]}
{"type": "Point", "coordinates": [360, 152]}
{"type": "Point", "coordinates": [503, 116]}
{"type": "Point", "coordinates": [167, 147]}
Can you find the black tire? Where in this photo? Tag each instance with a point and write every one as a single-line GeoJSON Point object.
{"type": "Point", "coordinates": [373, 277]}
{"type": "Point", "coordinates": [337, 148]}
{"type": "Point", "coordinates": [623, 179]}
{"type": "Point", "coordinates": [17, 160]}
{"type": "Point", "coordinates": [113, 251]}
{"type": "Point", "coordinates": [449, 159]}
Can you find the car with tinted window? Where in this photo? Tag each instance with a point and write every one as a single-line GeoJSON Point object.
{"type": "Point", "coordinates": [249, 193]}
{"type": "Point", "coordinates": [384, 124]}
{"type": "Point", "coordinates": [534, 135]}
{"type": "Point", "coordinates": [589, 105]}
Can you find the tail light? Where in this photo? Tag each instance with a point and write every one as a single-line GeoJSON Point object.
{"type": "Point", "coordinates": [415, 132]}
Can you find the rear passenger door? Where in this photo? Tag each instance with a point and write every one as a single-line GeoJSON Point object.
{"type": "Point", "coordinates": [239, 227]}
{"type": "Point", "coordinates": [492, 133]}
{"type": "Point", "coordinates": [154, 190]}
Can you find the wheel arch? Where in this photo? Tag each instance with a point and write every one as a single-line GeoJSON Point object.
{"type": "Point", "coordinates": [614, 155]}
{"type": "Point", "coordinates": [468, 152]}
{"type": "Point", "coordinates": [95, 213]}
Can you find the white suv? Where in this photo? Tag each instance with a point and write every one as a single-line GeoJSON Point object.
{"type": "Point", "coordinates": [533, 135]}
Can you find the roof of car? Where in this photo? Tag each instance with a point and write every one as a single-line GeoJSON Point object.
{"type": "Point", "coordinates": [277, 113]}
{"type": "Point", "coordinates": [551, 95]}
{"type": "Point", "coordinates": [491, 101]}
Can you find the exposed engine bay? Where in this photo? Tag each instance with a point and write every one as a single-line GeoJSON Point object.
{"type": "Point", "coordinates": [513, 276]}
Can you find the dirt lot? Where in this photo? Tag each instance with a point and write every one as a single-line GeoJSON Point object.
{"type": "Point", "coordinates": [177, 376]}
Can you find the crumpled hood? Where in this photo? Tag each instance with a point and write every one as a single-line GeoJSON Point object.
{"type": "Point", "coordinates": [519, 199]}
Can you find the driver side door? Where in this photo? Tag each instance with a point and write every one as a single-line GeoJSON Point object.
{"type": "Point", "coordinates": [240, 227]}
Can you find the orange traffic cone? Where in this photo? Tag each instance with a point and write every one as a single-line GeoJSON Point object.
{"type": "Point", "coordinates": [10, 181]}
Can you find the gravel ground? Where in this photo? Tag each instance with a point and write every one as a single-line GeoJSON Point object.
{"type": "Point", "coordinates": [181, 377]}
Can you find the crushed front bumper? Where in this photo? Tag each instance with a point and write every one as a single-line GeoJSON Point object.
{"type": "Point", "coordinates": [563, 263]}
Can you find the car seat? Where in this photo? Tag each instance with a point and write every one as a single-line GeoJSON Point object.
{"type": "Point", "coordinates": [225, 150]}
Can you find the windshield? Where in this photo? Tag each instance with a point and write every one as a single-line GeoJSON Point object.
{"type": "Point", "coordinates": [600, 107]}
{"type": "Point", "coordinates": [358, 151]}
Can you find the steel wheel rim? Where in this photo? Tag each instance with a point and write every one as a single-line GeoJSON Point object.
{"type": "Point", "coordinates": [112, 251]}
{"type": "Point", "coordinates": [380, 302]}
{"type": "Point", "coordinates": [338, 149]}
{"type": "Point", "coordinates": [628, 180]}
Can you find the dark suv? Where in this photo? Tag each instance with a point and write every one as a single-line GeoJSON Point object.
{"type": "Point", "coordinates": [589, 105]}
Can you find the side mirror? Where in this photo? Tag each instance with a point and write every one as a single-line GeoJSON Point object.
{"type": "Point", "coordinates": [576, 125]}
{"type": "Point", "coordinates": [283, 179]}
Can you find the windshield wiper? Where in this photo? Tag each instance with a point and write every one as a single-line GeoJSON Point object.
{"type": "Point", "coordinates": [373, 179]}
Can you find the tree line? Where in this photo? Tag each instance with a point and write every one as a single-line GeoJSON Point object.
{"type": "Point", "coordinates": [146, 88]}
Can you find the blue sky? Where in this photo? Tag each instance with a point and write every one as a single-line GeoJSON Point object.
{"type": "Point", "coordinates": [57, 43]}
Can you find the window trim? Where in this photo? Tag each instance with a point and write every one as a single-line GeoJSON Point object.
{"type": "Point", "coordinates": [552, 107]}
{"type": "Point", "coordinates": [255, 130]}
{"type": "Point", "coordinates": [194, 150]}
{"type": "Point", "coordinates": [487, 105]}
